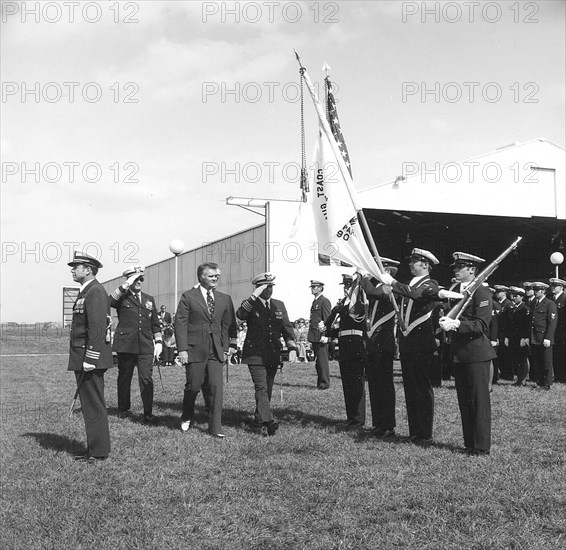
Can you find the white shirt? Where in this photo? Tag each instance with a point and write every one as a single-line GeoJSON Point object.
{"type": "Point", "coordinates": [415, 280]}
{"type": "Point", "coordinates": [204, 293]}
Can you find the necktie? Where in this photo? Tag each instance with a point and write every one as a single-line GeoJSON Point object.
{"type": "Point", "coordinates": [210, 302]}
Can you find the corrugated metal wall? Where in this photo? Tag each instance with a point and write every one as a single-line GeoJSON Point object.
{"type": "Point", "coordinates": [240, 256]}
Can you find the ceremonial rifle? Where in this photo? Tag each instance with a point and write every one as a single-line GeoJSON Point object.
{"type": "Point", "coordinates": [469, 291]}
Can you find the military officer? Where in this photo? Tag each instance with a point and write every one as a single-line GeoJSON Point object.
{"type": "Point", "coordinates": [472, 354]}
{"type": "Point", "coordinates": [351, 333]}
{"type": "Point", "coordinates": [543, 327]}
{"type": "Point", "coordinates": [502, 363]}
{"type": "Point", "coordinates": [416, 341]}
{"type": "Point", "coordinates": [519, 331]}
{"type": "Point", "coordinates": [267, 321]}
{"type": "Point", "coordinates": [320, 310]}
{"type": "Point", "coordinates": [137, 341]}
{"type": "Point", "coordinates": [91, 353]}
{"type": "Point", "coordinates": [381, 351]}
{"type": "Point", "coordinates": [559, 359]}
{"type": "Point", "coordinates": [529, 294]}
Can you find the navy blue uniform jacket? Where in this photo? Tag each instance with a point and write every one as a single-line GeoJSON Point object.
{"type": "Point", "coordinates": [262, 345]}
{"type": "Point", "coordinates": [89, 329]}
{"type": "Point", "coordinates": [544, 316]}
{"type": "Point", "coordinates": [138, 323]}
{"type": "Point", "coordinates": [471, 342]}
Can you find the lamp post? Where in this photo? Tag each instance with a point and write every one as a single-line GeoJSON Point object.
{"type": "Point", "coordinates": [557, 258]}
{"type": "Point", "coordinates": [176, 246]}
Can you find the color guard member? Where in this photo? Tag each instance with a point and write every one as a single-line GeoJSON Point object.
{"type": "Point", "coordinates": [320, 310]}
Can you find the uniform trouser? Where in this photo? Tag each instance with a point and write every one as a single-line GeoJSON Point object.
{"type": "Point", "coordinates": [419, 395]}
{"type": "Point", "coordinates": [520, 364]}
{"type": "Point", "coordinates": [436, 370]}
{"type": "Point", "coordinates": [379, 373]}
{"type": "Point", "coordinates": [541, 365]}
{"type": "Point", "coordinates": [321, 364]}
{"type": "Point", "coordinates": [354, 388]}
{"type": "Point", "coordinates": [472, 387]}
{"type": "Point", "coordinates": [263, 377]}
{"type": "Point", "coordinates": [168, 354]}
{"type": "Point", "coordinates": [505, 366]}
{"type": "Point", "coordinates": [95, 416]}
{"type": "Point", "coordinates": [126, 364]}
{"type": "Point", "coordinates": [195, 374]}
{"type": "Point", "coordinates": [559, 362]}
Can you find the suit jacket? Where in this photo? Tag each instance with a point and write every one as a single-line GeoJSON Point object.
{"type": "Point", "coordinates": [262, 345]}
{"type": "Point", "coordinates": [416, 307]}
{"type": "Point", "coordinates": [320, 310]}
{"type": "Point", "coordinates": [138, 323]}
{"type": "Point", "coordinates": [504, 319]}
{"type": "Point", "coordinates": [165, 319]}
{"type": "Point", "coordinates": [560, 334]}
{"type": "Point", "coordinates": [543, 321]}
{"type": "Point", "coordinates": [471, 342]}
{"type": "Point", "coordinates": [194, 326]}
{"type": "Point", "coordinates": [90, 329]}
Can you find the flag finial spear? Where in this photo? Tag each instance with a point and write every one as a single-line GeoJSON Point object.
{"type": "Point", "coordinates": [326, 68]}
{"type": "Point", "coordinates": [298, 59]}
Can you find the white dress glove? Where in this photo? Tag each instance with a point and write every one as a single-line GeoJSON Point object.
{"type": "Point", "coordinates": [448, 324]}
{"type": "Point", "coordinates": [157, 349]}
{"type": "Point", "coordinates": [258, 290]}
{"type": "Point", "coordinates": [87, 366]}
{"type": "Point", "coordinates": [387, 279]}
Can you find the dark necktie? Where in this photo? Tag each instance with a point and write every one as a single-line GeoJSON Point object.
{"type": "Point", "coordinates": [210, 302]}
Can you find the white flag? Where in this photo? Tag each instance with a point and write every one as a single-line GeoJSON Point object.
{"type": "Point", "coordinates": [338, 231]}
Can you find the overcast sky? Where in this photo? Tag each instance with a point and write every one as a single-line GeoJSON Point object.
{"type": "Point", "coordinates": [127, 124]}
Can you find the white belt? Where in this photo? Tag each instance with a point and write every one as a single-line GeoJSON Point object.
{"type": "Point", "coordinates": [350, 333]}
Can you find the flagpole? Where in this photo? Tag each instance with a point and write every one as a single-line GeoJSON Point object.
{"type": "Point", "coordinates": [347, 178]}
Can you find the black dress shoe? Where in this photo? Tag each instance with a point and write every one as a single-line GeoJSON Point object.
{"type": "Point", "coordinates": [272, 427]}
{"type": "Point", "coordinates": [124, 414]}
{"type": "Point", "coordinates": [323, 387]}
{"type": "Point", "coordinates": [479, 452]}
{"type": "Point", "coordinates": [218, 436]}
{"type": "Point", "coordinates": [150, 419]}
{"type": "Point", "coordinates": [419, 440]}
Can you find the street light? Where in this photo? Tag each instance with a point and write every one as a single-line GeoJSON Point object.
{"type": "Point", "coordinates": [557, 258]}
{"type": "Point", "coordinates": [176, 246]}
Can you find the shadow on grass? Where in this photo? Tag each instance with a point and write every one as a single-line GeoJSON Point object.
{"type": "Point", "coordinates": [363, 437]}
{"type": "Point", "coordinates": [58, 442]}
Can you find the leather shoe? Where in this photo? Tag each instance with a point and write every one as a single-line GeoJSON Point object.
{"type": "Point", "coordinates": [419, 440]}
{"type": "Point", "coordinates": [383, 433]}
{"type": "Point", "coordinates": [186, 425]}
{"type": "Point", "coordinates": [150, 419]}
{"type": "Point", "coordinates": [323, 387]}
{"type": "Point", "coordinates": [124, 414]}
{"type": "Point", "coordinates": [218, 436]}
{"type": "Point", "coordinates": [272, 427]}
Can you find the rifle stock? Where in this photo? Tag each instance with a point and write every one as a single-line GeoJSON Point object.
{"type": "Point", "coordinates": [457, 310]}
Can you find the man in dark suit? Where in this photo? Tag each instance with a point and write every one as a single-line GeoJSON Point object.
{"type": "Point", "coordinates": [502, 363]}
{"type": "Point", "coordinates": [91, 353]}
{"type": "Point", "coordinates": [164, 317]}
{"type": "Point", "coordinates": [417, 343]}
{"type": "Point", "coordinates": [519, 331]}
{"type": "Point", "coordinates": [381, 350]}
{"type": "Point", "coordinates": [472, 354]}
{"type": "Point", "coordinates": [205, 330]}
{"type": "Point", "coordinates": [543, 326]}
{"type": "Point", "coordinates": [559, 359]}
{"type": "Point", "coordinates": [320, 310]}
{"type": "Point", "coordinates": [267, 321]}
{"type": "Point", "coordinates": [137, 341]}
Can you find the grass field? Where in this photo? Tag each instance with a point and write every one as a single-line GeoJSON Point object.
{"type": "Point", "coordinates": [310, 486]}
